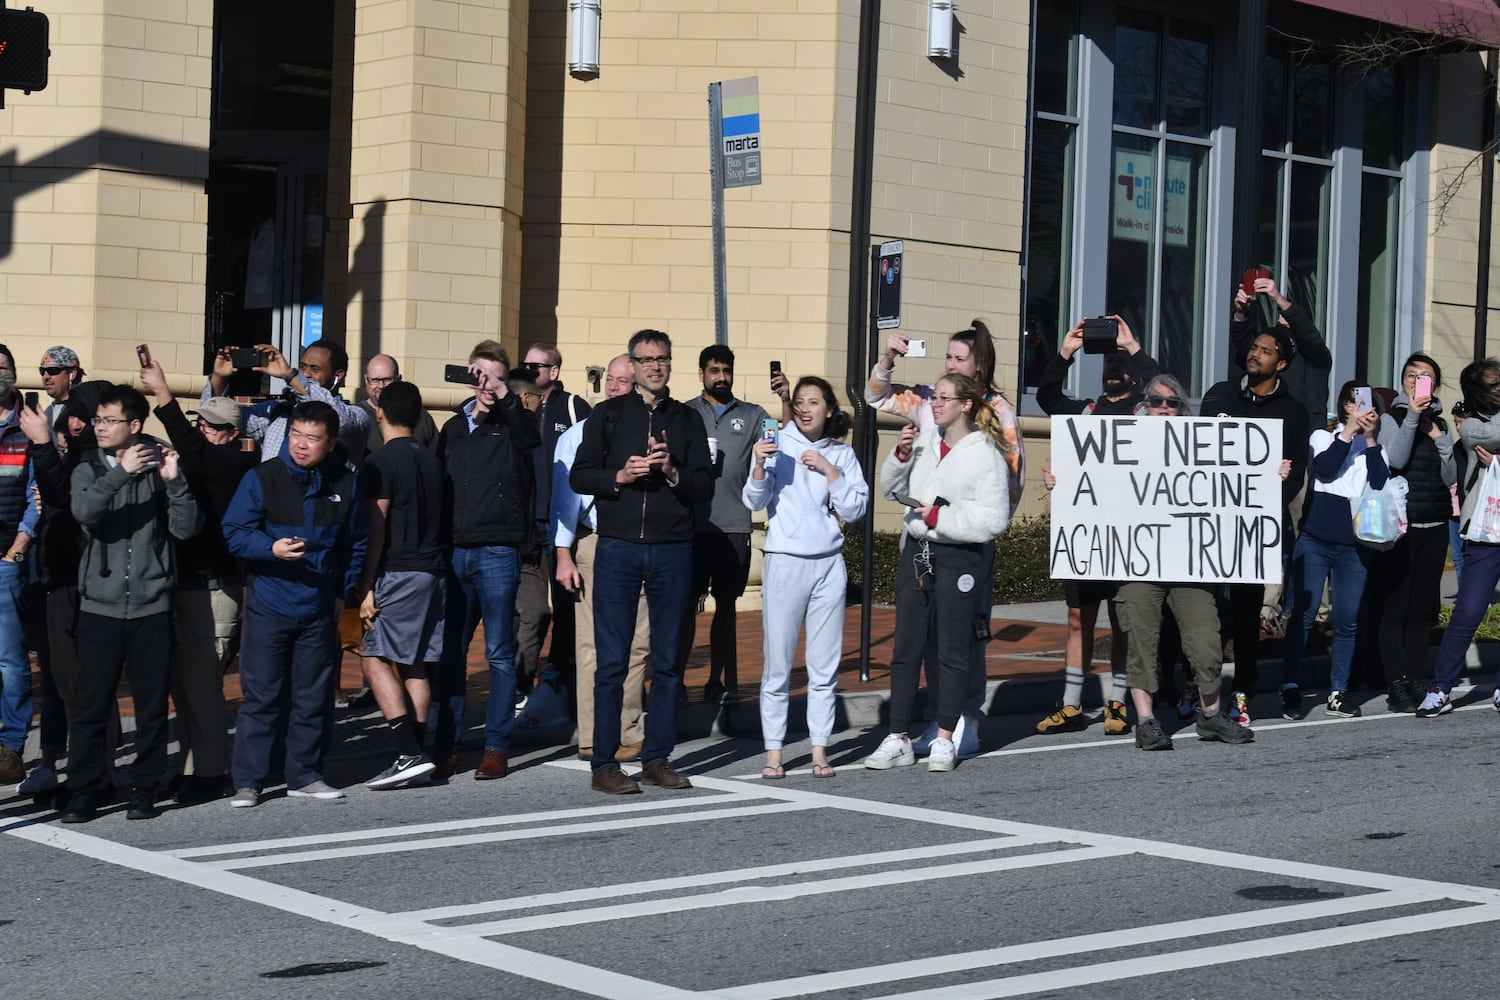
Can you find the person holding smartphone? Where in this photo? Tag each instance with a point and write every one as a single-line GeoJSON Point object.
{"type": "Point", "coordinates": [1405, 581]}
{"type": "Point", "coordinates": [1307, 370]}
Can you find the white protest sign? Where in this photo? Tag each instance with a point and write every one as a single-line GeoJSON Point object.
{"type": "Point", "coordinates": [1166, 499]}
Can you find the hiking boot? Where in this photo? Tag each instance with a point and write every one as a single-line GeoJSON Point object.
{"type": "Point", "coordinates": [1066, 719]}
{"type": "Point", "coordinates": [894, 751]}
{"type": "Point", "coordinates": [1222, 728]}
{"type": "Point", "coordinates": [1238, 708]}
{"type": "Point", "coordinates": [1340, 704]}
{"type": "Point", "coordinates": [1115, 723]}
{"type": "Point", "coordinates": [1436, 703]}
{"type": "Point", "coordinates": [1149, 735]}
{"type": "Point", "coordinates": [1291, 704]}
{"type": "Point", "coordinates": [405, 768]}
{"type": "Point", "coordinates": [944, 755]}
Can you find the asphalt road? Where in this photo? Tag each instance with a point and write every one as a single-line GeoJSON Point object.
{"type": "Point", "coordinates": [1327, 859]}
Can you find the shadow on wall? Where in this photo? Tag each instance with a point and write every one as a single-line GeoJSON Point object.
{"type": "Point", "coordinates": [541, 212]}
{"type": "Point", "coordinates": [366, 277]}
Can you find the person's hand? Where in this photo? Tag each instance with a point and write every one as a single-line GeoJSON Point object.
{"type": "Point", "coordinates": [34, 425]}
{"type": "Point", "coordinates": [224, 363]}
{"type": "Point", "coordinates": [274, 363]}
{"type": "Point", "coordinates": [367, 609]}
{"type": "Point", "coordinates": [1366, 421]}
{"type": "Point", "coordinates": [764, 449]}
{"type": "Point", "coordinates": [171, 468]}
{"type": "Point", "coordinates": [895, 345]}
{"type": "Point", "coordinates": [1267, 286]}
{"type": "Point", "coordinates": [659, 457]}
{"type": "Point", "coordinates": [780, 386]}
{"type": "Point", "coordinates": [487, 382]}
{"type": "Point", "coordinates": [1483, 456]}
{"type": "Point", "coordinates": [922, 512]}
{"type": "Point", "coordinates": [567, 572]}
{"type": "Point", "coordinates": [1048, 479]}
{"type": "Point", "coordinates": [1421, 403]}
{"type": "Point", "coordinates": [1124, 338]}
{"type": "Point", "coordinates": [814, 459]}
{"type": "Point", "coordinates": [289, 549]}
{"type": "Point", "coordinates": [1434, 431]}
{"type": "Point", "coordinates": [1241, 301]}
{"type": "Point", "coordinates": [137, 458]}
{"type": "Point", "coordinates": [635, 467]}
{"type": "Point", "coordinates": [905, 441]}
{"type": "Point", "coordinates": [1284, 469]}
{"type": "Point", "coordinates": [1072, 341]}
{"type": "Point", "coordinates": [155, 381]}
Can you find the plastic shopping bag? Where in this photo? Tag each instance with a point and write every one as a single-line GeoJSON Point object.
{"type": "Point", "coordinates": [1484, 522]}
{"type": "Point", "coordinates": [1380, 515]}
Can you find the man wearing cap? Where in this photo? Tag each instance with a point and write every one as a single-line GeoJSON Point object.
{"type": "Point", "coordinates": [381, 371]}
{"type": "Point", "coordinates": [209, 587]}
{"type": "Point", "coordinates": [60, 372]}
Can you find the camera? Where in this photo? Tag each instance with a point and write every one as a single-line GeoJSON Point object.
{"type": "Point", "coordinates": [1100, 334]}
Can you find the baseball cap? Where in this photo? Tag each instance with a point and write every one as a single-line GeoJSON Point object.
{"type": "Point", "coordinates": [219, 410]}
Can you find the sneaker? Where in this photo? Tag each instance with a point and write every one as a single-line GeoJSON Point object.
{"type": "Point", "coordinates": [922, 745]}
{"type": "Point", "coordinates": [1291, 704]}
{"type": "Point", "coordinates": [731, 696]}
{"type": "Point", "coordinates": [1341, 704]}
{"type": "Point", "coordinates": [1115, 722]}
{"type": "Point", "coordinates": [1067, 718]}
{"type": "Point", "coordinates": [894, 751]}
{"type": "Point", "coordinates": [1238, 709]}
{"type": "Point", "coordinates": [1398, 699]}
{"type": "Point", "coordinates": [1496, 702]}
{"type": "Point", "coordinates": [1222, 728]}
{"type": "Point", "coordinates": [316, 790]}
{"type": "Point", "coordinates": [405, 768]}
{"type": "Point", "coordinates": [1149, 735]}
{"type": "Point", "coordinates": [245, 798]}
{"type": "Point", "coordinates": [1436, 703]}
{"type": "Point", "coordinates": [142, 804]}
{"type": "Point", "coordinates": [42, 779]}
{"type": "Point", "coordinates": [944, 755]}
{"type": "Point", "coordinates": [1187, 709]}
{"type": "Point", "coordinates": [713, 693]}
{"type": "Point", "coordinates": [966, 737]}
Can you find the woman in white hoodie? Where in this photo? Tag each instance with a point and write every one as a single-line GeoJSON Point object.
{"type": "Point", "coordinates": [953, 479]}
{"type": "Point", "coordinates": [811, 481]}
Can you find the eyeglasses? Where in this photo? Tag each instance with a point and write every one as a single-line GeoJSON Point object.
{"type": "Point", "coordinates": [1175, 402]}
{"type": "Point", "coordinates": [661, 361]}
{"type": "Point", "coordinates": [944, 399]}
{"type": "Point", "coordinates": [372, 380]}
{"type": "Point", "coordinates": [204, 425]}
{"type": "Point", "coordinates": [52, 371]}
{"type": "Point", "coordinates": [108, 421]}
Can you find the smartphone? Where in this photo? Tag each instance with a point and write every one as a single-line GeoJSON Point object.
{"type": "Point", "coordinates": [907, 501]}
{"type": "Point", "coordinates": [916, 348]}
{"type": "Point", "coordinates": [31, 399]}
{"type": "Point", "coordinates": [1422, 387]}
{"type": "Point", "coordinates": [1250, 277]}
{"type": "Point", "coordinates": [1100, 335]}
{"type": "Point", "coordinates": [768, 429]}
{"type": "Point", "coordinates": [459, 375]}
{"type": "Point", "coordinates": [144, 354]}
{"type": "Point", "coordinates": [245, 357]}
{"type": "Point", "coordinates": [1362, 400]}
{"type": "Point", "coordinates": [300, 540]}
{"type": "Point", "coordinates": [775, 371]}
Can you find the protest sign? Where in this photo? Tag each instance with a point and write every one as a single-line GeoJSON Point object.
{"type": "Point", "coordinates": [1166, 499]}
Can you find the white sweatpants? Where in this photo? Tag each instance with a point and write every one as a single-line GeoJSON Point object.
{"type": "Point", "coordinates": [794, 588]}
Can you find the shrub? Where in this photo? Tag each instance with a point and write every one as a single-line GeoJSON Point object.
{"type": "Point", "coordinates": [1021, 562]}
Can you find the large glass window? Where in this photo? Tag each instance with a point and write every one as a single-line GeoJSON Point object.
{"type": "Point", "coordinates": [1379, 227]}
{"type": "Point", "coordinates": [1160, 161]}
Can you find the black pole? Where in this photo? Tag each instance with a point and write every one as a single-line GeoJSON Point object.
{"type": "Point", "coordinates": [1486, 210]}
{"type": "Point", "coordinates": [859, 251]}
{"type": "Point", "coordinates": [1249, 83]}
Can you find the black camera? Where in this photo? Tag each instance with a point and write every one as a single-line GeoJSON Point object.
{"type": "Point", "coordinates": [1100, 335]}
{"type": "Point", "coordinates": [246, 357]}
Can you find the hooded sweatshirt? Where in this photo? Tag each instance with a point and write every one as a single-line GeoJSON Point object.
{"type": "Point", "coordinates": [1234, 399]}
{"type": "Point", "coordinates": [971, 478]}
{"type": "Point", "coordinates": [805, 507]}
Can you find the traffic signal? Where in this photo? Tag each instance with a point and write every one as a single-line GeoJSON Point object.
{"type": "Point", "coordinates": [23, 49]}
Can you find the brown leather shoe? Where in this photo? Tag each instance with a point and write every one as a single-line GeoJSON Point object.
{"type": "Point", "coordinates": [629, 751]}
{"type": "Point", "coordinates": [493, 766]}
{"type": "Point", "coordinates": [613, 781]}
{"type": "Point", "coordinates": [661, 774]}
{"type": "Point", "coordinates": [12, 768]}
{"type": "Point", "coordinates": [447, 766]}
{"type": "Point", "coordinates": [585, 753]}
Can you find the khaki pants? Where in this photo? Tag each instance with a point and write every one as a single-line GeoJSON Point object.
{"type": "Point", "coordinates": [205, 621]}
{"type": "Point", "coordinates": [1139, 605]}
{"type": "Point", "coordinates": [632, 731]}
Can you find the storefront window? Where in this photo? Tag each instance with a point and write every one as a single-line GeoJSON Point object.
{"type": "Point", "coordinates": [1379, 236]}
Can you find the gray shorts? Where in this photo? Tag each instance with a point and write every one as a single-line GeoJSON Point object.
{"type": "Point", "coordinates": [409, 627]}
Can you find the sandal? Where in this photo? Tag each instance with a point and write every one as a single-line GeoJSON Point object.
{"type": "Point", "coordinates": [769, 773]}
{"type": "Point", "coordinates": [823, 771]}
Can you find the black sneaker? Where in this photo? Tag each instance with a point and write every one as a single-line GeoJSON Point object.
{"type": "Point", "coordinates": [1398, 699]}
{"type": "Point", "coordinates": [142, 804]}
{"type": "Point", "coordinates": [1149, 735]}
{"type": "Point", "coordinates": [1291, 704]}
{"type": "Point", "coordinates": [1222, 728]}
{"type": "Point", "coordinates": [713, 693]}
{"type": "Point", "coordinates": [1340, 704]}
{"type": "Point", "coordinates": [404, 769]}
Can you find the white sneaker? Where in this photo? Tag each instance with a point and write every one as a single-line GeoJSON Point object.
{"type": "Point", "coordinates": [41, 779]}
{"type": "Point", "coordinates": [316, 790]}
{"type": "Point", "coordinates": [245, 798]}
{"type": "Point", "coordinates": [894, 751]}
{"type": "Point", "coordinates": [1497, 700]}
{"type": "Point", "coordinates": [944, 755]}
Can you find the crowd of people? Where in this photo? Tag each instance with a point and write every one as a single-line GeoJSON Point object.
{"type": "Point", "coordinates": [251, 531]}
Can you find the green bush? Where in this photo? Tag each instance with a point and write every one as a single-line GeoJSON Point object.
{"type": "Point", "coordinates": [1021, 560]}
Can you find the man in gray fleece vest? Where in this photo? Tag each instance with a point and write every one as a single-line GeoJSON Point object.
{"type": "Point", "coordinates": [130, 501]}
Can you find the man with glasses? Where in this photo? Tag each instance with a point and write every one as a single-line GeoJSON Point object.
{"type": "Point", "coordinates": [60, 372]}
{"type": "Point", "coordinates": [131, 501]}
{"type": "Point", "coordinates": [381, 371]}
{"type": "Point", "coordinates": [319, 372]}
{"type": "Point", "coordinates": [210, 586]}
{"type": "Point", "coordinates": [645, 461]}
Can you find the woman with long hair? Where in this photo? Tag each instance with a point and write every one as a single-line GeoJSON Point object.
{"type": "Point", "coordinates": [952, 478]}
{"type": "Point", "coordinates": [812, 483]}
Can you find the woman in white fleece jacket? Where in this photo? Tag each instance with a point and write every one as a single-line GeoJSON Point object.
{"type": "Point", "coordinates": [953, 479]}
{"type": "Point", "coordinates": [810, 480]}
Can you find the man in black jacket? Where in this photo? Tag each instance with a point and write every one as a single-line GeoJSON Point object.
{"type": "Point", "coordinates": [1262, 393]}
{"type": "Point", "coordinates": [1126, 372]}
{"type": "Point", "coordinates": [488, 487]}
{"type": "Point", "coordinates": [1306, 374]}
{"type": "Point", "coordinates": [644, 459]}
{"type": "Point", "coordinates": [209, 585]}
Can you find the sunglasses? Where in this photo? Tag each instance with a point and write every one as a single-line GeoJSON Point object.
{"type": "Point", "coordinates": [53, 371]}
{"type": "Point", "coordinates": [1175, 402]}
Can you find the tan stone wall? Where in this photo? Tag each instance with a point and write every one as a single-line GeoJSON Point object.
{"type": "Point", "coordinates": [103, 219]}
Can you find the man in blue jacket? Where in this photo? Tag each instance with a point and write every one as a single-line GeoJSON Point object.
{"type": "Point", "coordinates": [299, 524]}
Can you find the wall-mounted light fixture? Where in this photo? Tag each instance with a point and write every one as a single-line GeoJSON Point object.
{"type": "Point", "coordinates": [583, 37]}
{"type": "Point", "coordinates": [940, 29]}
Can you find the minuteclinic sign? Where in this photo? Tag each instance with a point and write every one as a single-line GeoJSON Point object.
{"type": "Point", "coordinates": [1136, 189]}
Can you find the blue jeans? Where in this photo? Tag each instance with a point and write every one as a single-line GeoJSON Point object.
{"type": "Point", "coordinates": [621, 570]}
{"type": "Point", "coordinates": [482, 587]}
{"type": "Point", "coordinates": [1482, 573]}
{"type": "Point", "coordinates": [15, 669]}
{"type": "Point", "coordinates": [1456, 548]}
{"type": "Point", "coordinates": [1313, 562]}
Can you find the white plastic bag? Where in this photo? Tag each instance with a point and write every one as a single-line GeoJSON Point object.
{"type": "Point", "coordinates": [1380, 515]}
{"type": "Point", "coordinates": [1484, 522]}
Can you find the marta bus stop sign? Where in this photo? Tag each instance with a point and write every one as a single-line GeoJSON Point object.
{"type": "Point", "coordinates": [888, 287]}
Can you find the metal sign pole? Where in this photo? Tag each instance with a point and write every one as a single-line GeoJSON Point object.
{"type": "Point", "coordinates": [871, 450]}
{"type": "Point", "coordinates": [716, 183]}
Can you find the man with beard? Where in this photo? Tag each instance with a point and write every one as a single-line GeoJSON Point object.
{"type": "Point", "coordinates": [721, 539]}
{"type": "Point", "coordinates": [1263, 393]}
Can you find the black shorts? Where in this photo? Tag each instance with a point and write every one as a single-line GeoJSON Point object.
{"type": "Point", "coordinates": [1081, 592]}
{"type": "Point", "coordinates": [721, 563]}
